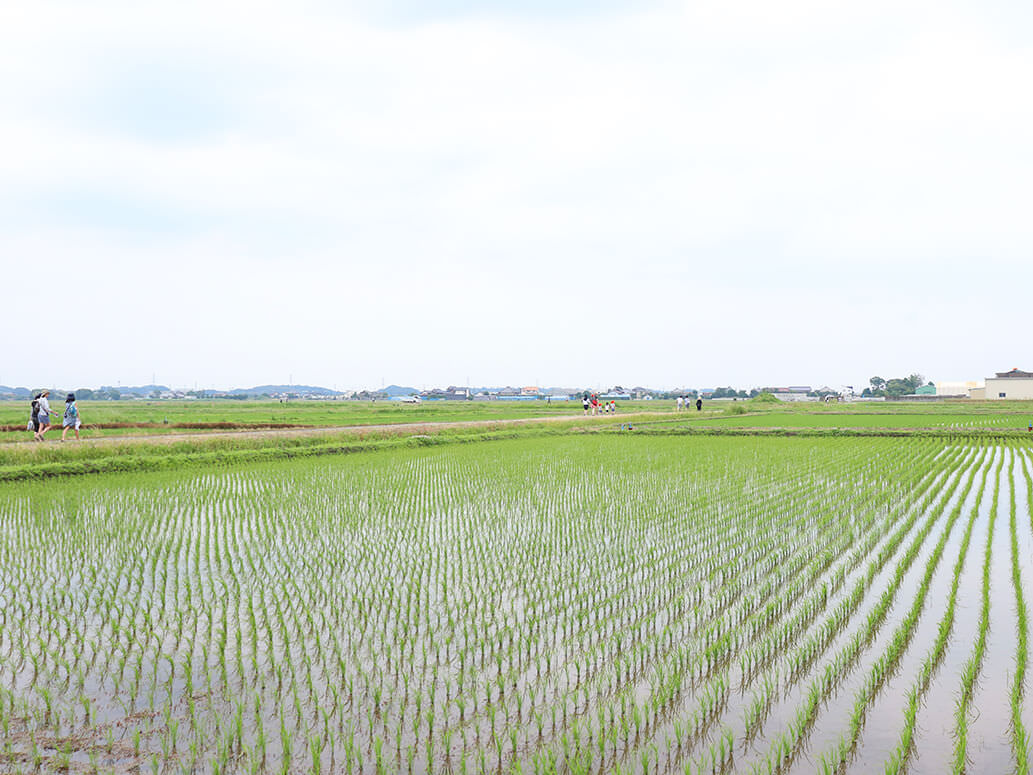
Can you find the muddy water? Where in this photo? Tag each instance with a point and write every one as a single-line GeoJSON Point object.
{"type": "Point", "coordinates": [885, 719]}
{"type": "Point", "coordinates": [989, 740]}
{"type": "Point", "coordinates": [833, 720]}
{"type": "Point", "coordinates": [934, 726]}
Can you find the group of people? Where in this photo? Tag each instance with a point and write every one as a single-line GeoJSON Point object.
{"type": "Point", "coordinates": [591, 405]}
{"type": "Point", "coordinates": [682, 403]}
{"type": "Point", "coordinates": [39, 419]}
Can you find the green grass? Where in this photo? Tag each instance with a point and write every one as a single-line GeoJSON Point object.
{"type": "Point", "coordinates": [305, 413]}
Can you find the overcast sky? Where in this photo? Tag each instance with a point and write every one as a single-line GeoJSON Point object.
{"type": "Point", "coordinates": [553, 192]}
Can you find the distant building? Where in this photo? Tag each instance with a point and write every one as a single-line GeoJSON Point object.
{"type": "Point", "coordinates": [797, 389]}
{"type": "Point", "coordinates": [956, 389]}
{"type": "Point", "coordinates": [1012, 385]}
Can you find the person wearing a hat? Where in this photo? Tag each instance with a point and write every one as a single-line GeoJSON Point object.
{"type": "Point", "coordinates": [71, 418]}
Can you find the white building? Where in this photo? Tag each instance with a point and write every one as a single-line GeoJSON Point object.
{"type": "Point", "coordinates": [1011, 385]}
{"type": "Point", "coordinates": [956, 389]}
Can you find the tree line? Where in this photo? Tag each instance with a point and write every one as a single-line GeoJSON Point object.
{"type": "Point", "coordinates": [897, 386]}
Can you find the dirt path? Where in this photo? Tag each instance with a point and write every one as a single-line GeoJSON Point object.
{"type": "Point", "coordinates": [357, 430]}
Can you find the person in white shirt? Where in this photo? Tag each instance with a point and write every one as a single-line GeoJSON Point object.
{"type": "Point", "coordinates": [43, 414]}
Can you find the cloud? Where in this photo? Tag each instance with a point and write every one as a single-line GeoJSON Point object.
{"type": "Point", "coordinates": [519, 176]}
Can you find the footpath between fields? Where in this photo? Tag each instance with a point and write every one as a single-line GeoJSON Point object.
{"type": "Point", "coordinates": [20, 462]}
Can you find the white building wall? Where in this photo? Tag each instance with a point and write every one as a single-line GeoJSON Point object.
{"type": "Point", "coordinates": [1012, 389]}
{"type": "Point", "coordinates": [956, 388]}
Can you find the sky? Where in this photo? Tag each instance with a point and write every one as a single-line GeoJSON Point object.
{"type": "Point", "coordinates": [550, 192]}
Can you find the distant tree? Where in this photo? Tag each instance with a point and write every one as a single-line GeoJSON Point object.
{"type": "Point", "coordinates": [878, 384]}
{"type": "Point", "coordinates": [899, 387]}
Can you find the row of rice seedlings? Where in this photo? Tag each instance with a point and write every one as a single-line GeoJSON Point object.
{"type": "Point", "coordinates": [862, 550]}
{"type": "Point", "coordinates": [807, 652]}
{"type": "Point", "coordinates": [972, 667]}
{"type": "Point", "coordinates": [1019, 734]}
{"type": "Point", "coordinates": [901, 637]}
{"type": "Point", "coordinates": [668, 692]}
{"type": "Point", "coordinates": [680, 741]}
{"type": "Point", "coordinates": [680, 748]}
{"type": "Point", "coordinates": [899, 756]}
{"type": "Point", "coordinates": [785, 747]}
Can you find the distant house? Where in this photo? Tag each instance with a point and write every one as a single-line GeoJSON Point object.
{"type": "Point", "coordinates": [1013, 385]}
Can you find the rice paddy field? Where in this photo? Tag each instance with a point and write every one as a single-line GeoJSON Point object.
{"type": "Point", "coordinates": [574, 604]}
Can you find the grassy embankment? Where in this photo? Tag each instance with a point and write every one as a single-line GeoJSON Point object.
{"type": "Point", "coordinates": [374, 426]}
{"type": "Point", "coordinates": [119, 418]}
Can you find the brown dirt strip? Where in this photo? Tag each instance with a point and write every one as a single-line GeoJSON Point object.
{"type": "Point", "coordinates": [357, 430]}
{"type": "Point", "coordinates": [200, 426]}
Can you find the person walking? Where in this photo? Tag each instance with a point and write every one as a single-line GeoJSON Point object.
{"type": "Point", "coordinates": [34, 414]}
{"type": "Point", "coordinates": [71, 417]}
{"type": "Point", "coordinates": [584, 403]}
{"type": "Point", "coordinates": [43, 412]}
{"type": "Point", "coordinates": [699, 404]}
{"type": "Point", "coordinates": [679, 404]}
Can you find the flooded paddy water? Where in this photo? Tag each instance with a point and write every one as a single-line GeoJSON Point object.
{"type": "Point", "coordinates": [570, 605]}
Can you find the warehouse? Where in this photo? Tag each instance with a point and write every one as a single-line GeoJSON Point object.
{"type": "Point", "coordinates": [1010, 385]}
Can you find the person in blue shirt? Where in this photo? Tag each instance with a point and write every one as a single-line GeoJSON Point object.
{"type": "Point", "coordinates": [71, 418]}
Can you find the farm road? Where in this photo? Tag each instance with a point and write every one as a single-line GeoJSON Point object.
{"type": "Point", "coordinates": [357, 430]}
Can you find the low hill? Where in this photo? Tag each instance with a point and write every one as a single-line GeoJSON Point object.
{"type": "Point", "coordinates": [307, 390]}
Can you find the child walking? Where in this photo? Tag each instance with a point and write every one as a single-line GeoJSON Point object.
{"type": "Point", "coordinates": [71, 417]}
